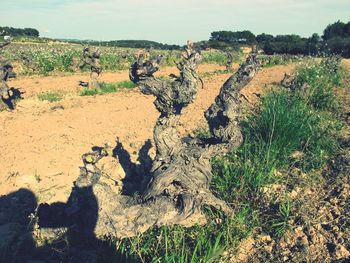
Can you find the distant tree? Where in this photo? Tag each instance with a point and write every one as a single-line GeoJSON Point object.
{"type": "Point", "coordinates": [313, 44]}
{"type": "Point", "coordinates": [335, 40]}
{"type": "Point", "coordinates": [285, 44]}
{"type": "Point", "coordinates": [220, 45]}
{"type": "Point", "coordinates": [263, 38]}
{"type": "Point", "coordinates": [338, 45]}
{"type": "Point", "coordinates": [19, 31]}
{"type": "Point", "coordinates": [337, 29]}
{"type": "Point", "coordinates": [145, 44]}
{"type": "Point", "coordinates": [31, 32]}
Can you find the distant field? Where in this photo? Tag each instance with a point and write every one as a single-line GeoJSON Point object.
{"type": "Point", "coordinates": [55, 57]}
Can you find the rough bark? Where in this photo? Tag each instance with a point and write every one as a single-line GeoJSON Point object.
{"type": "Point", "coordinates": [223, 114]}
{"type": "Point", "coordinates": [91, 59]}
{"type": "Point", "coordinates": [180, 177]}
{"type": "Point", "coordinates": [229, 61]}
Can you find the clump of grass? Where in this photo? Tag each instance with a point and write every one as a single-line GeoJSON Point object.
{"type": "Point", "coordinates": [89, 92]}
{"type": "Point", "coordinates": [177, 244]}
{"type": "Point", "coordinates": [108, 88]}
{"type": "Point", "coordinates": [285, 124]}
{"type": "Point", "coordinates": [50, 96]}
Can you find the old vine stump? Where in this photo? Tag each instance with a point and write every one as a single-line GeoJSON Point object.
{"type": "Point", "coordinates": [179, 180]}
{"type": "Point", "coordinates": [91, 59]}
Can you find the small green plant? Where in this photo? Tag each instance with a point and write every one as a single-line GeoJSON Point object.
{"type": "Point", "coordinates": [108, 88]}
{"type": "Point", "coordinates": [278, 223]}
{"type": "Point", "coordinates": [202, 132]}
{"type": "Point", "coordinates": [89, 92]}
{"type": "Point", "coordinates": [50, 96]}
{"type": "Point", "coordinates": [37, 177]}
{"type": "Point", "coordinates": [45, 65]}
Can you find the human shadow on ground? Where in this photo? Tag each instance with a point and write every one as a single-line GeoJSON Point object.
{"type": "Point", "coordinates": [77, 217]}
{"type": "Point", "coordinates": [16, 214]}
{"type": "Point", "coordinates": [68, 227]}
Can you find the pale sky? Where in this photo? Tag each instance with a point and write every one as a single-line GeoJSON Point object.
{"type": "Point", "coordinates": [171, 22]}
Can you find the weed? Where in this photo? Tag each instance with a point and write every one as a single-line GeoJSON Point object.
{"type": "Point", "coordinates": [108, 88]}
{"type": "Point", "coordinates": [37, 178]}
{"type": "Point", "coordinates": [277, 222]}
{"type": "Point", "coordinates": [202, 132]}
{"type": "Point", "coordinates": [51, 96]}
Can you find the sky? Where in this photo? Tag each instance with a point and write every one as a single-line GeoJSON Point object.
{"type": "Point", "coordinates": [171, 22]}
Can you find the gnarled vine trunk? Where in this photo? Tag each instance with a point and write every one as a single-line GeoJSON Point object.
{"type": "Point", "coordinates": [92, 59]}
{"type": "Point", "coordinates": [180, 177]}
{"type": "Point", "coordinates": [8, 96]}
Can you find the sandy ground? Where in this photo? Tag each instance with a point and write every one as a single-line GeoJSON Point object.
{"type": "Point", "coordinates": [41, 143]}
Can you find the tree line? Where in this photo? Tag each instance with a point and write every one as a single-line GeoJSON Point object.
{"type": "Point", "coordinates": [128, 44]}
{"type": "Point", "coordinates": [11, 31]}
{"type": "Point", "coordinates": [335, 40]}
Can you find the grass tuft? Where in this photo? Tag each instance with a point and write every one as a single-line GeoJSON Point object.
{"type": "Point", "coordinates": [51, 96]}
{"type": "Point", "coordinates": [108, 88]}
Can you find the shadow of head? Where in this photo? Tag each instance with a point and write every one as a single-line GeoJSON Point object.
{"type": "Point", "coordinates": [136, 174]}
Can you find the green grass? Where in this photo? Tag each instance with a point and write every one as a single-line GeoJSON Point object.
{"type": "Point", "coordinates": [276, 60]}
{"type": "Point", "coordinates": [108, 88]}
{"type": "Point", "coordinates": [177, 244]}
{"type": "Point", "coordinates": [219, 57]}
{"type": "Point", "coordinates": [50, 96]}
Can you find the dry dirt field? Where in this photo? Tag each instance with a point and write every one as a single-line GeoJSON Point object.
{"type": "Point", "coordinates": [42, 143]}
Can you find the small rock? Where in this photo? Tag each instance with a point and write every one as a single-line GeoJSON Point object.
{"type": "Point", "coordinates": [341, 252]}
{"type": "Point", "coordinates": [265, 238]}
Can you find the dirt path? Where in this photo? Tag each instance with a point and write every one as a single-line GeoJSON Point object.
{"type": "Point", "coordinates": [42, 143]}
